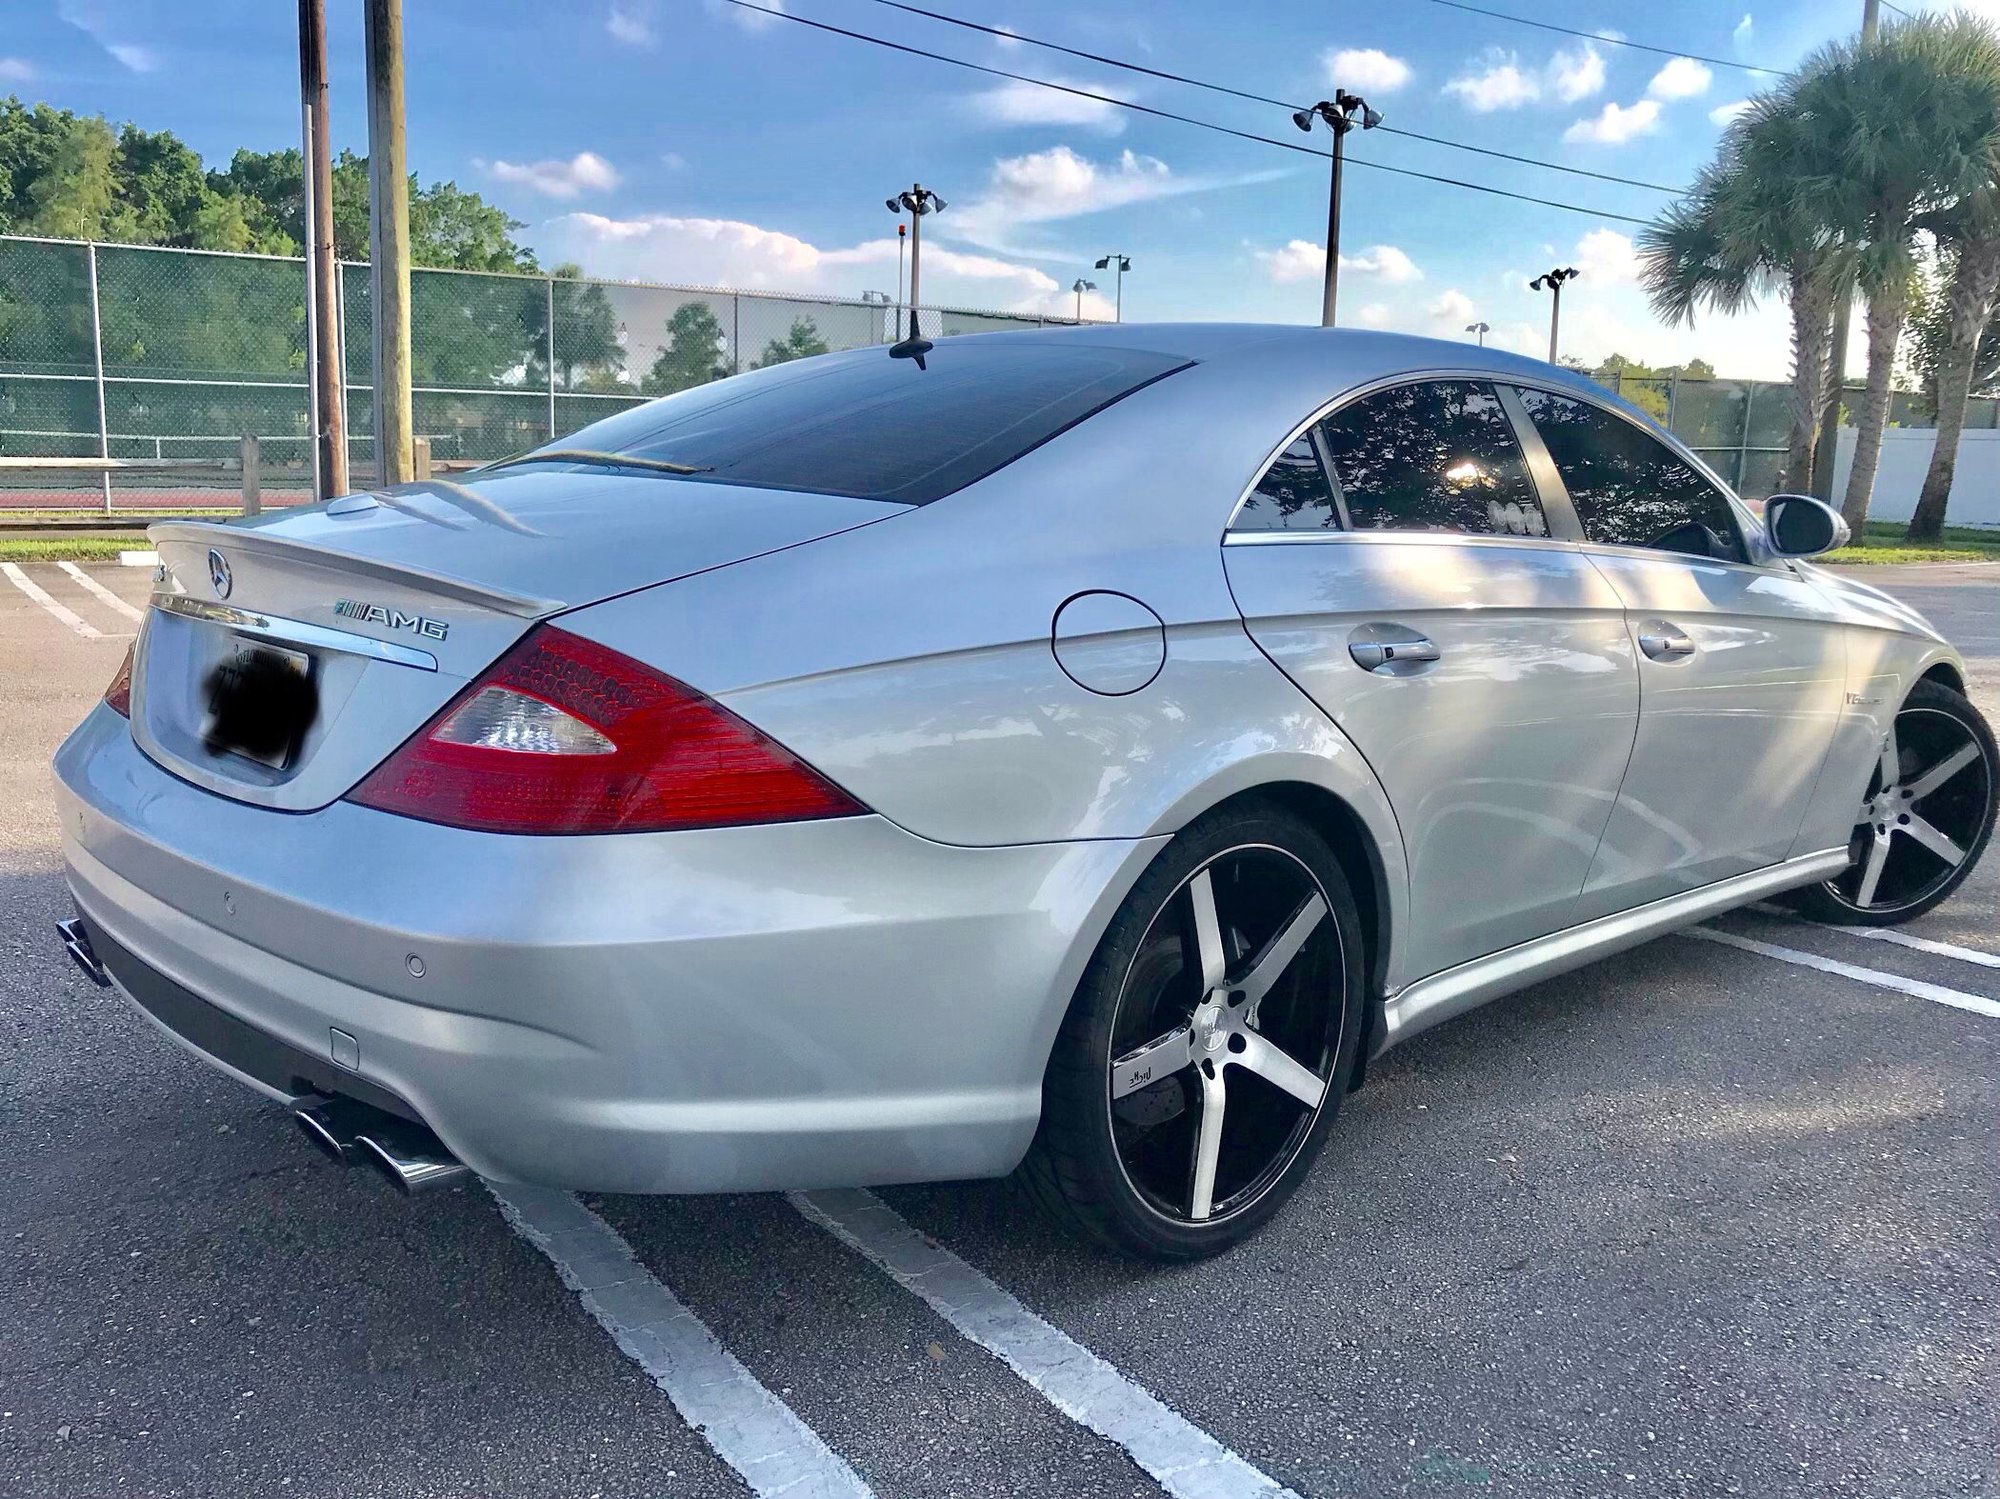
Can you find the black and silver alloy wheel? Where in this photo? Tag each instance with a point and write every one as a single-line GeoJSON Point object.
{"type": "Point", "coordinates": [1927, 815]}
{"type": "Point", "coordinates": [1209, 1045]}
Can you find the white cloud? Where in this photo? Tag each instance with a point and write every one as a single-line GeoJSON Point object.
{"type": "Point", "coordinates": [1724, 114]}
{"type": "Point", "coordinates": [673, 161]}
{"type": "Point", "coordinates": [1302, 260]}
{"type": "Point", "coordinates": [1297, 260]}
{"type": "Point", "coordinates": [1018, 103]}
{"type": "Point", "coordinates": [1385, 261]}
{"type": "Point", "coordinates": [1364, 69]}
{"type": "Point", "coordinates": [1006, 41]}
{"type": "Point", "coordinates": [1606, 257]}
{"type": "Point", "coordinates": [1615, 124]}
{"type": "Point", "coordinates": [1499, 84]}
{"type": "Point", "coordinates": [1576, 73]}
{"type": "Point", "coordinates": [16, 70]}
{"type": "Point", "coordinates": [88, 17]}
{"type": "Point", "coordinates": [1061, 184]}
{"type": "Point", "coordinates": [584, 172]}
{"type": "Point", "coordinates": [1453, 309]}
{"type": "Point", "coordinates": [1681, 78]}
{"type": "Point", "coordinates": [1743, 32]}
{"type": "Point", "coordinates": [731, 252]}
{"type": "Point", "coordinates": [631, 22]}
{"type": "Point", "coordinates": [1499, 80]}
{"type": "Point", "coordinates": [747, 17]}
{"type": "Point", "coordinates": [1372, 315]}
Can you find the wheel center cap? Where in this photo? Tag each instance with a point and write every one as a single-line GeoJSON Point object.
{"type": "Point", "coordinates": [1210, 1034]}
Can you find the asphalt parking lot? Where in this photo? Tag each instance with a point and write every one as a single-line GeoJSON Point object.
{"type": "Point", "coordinates": [1697, 1220]}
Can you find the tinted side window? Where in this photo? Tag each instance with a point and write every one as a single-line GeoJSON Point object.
{"type": "Point", "coordinates": [1293, 495]}
{"type": "Point", "coordinates": [1629, 488]}
{"type": "Point", "coordinates": [1439, 456]}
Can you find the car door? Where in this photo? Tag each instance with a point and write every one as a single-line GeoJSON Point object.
{"type": "Point", "coordinates": [1395, 561]}
{"type": "Point", "coordinates": [1741, 662]}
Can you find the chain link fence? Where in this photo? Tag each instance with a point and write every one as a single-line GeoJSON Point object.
{"type": "Point", "coordinates": [145, 353]}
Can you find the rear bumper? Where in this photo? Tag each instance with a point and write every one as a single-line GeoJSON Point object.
{"type": "Point", "coordinates": [811, 1004]}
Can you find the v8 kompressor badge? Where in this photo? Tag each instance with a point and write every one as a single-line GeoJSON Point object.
{"type": "Point", "coordinates": [395, 619]}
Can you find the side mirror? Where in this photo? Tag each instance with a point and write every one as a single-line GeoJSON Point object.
{"type": "Point", "coordinates": [1798, 525]}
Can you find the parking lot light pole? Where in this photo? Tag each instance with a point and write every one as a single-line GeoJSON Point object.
{"type": "Point", "coordinates": [1339, 113]}
{"type": "Point", "coordinates": [917, 202]}
{"type": "Point", "coordinates": [1554, 280]}
{"type": "Point", "coordinates": [1482, 329]}
{"type": "Point", "coordinates": [1080, 288]}
{"type": "Point", "coordinates": [1121, 264]}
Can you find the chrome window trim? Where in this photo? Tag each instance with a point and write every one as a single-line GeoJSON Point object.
{"type": "Point", "coordinates": [293, 631]}
{"type": "Point", "coordinates": [1355, 393]}
{"type": "Point", "coordinates": [1378, 536]}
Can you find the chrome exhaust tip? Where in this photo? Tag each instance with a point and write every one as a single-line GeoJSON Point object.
{"type": "Point", "coordinates": [411, 1158]}
{"type": "Point", "coordinates": [76, 942]}
{"type": "Point", "coordinates": [332, 1124]}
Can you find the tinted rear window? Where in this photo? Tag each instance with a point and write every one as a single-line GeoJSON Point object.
{"type": "Point", "coordinates": [865, 425]}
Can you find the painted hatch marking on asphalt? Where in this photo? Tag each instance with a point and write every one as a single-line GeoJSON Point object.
{"type": "Point", "coordinates": [1182, 1458]}
{"type": "Point", "coordinates": [102, 594]}
{"type": "Point", "coordinates": [752, 1430]}
{"type": "Point", "coordinates": [35, 591]}
{"type": "Point", "coordinates": [1958, 999]}
{"type": "Point", "coordinates": [1884, 934]}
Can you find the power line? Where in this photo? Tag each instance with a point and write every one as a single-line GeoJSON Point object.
{"type": "Point", "coordinates": [1284, 104]}
{"type": "Point", "coordinates": [1167, 114]}
{"type": "Point", "coordinates": [1615, 41]}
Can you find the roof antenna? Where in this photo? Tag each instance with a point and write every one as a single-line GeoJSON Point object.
{"type": "Point", "coordinates": [913, 347]}
{"type": "Point", "coordinates": [917, 202]}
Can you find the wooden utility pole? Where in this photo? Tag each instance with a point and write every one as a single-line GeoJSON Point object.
{"type": "Point", "coordinates": [329, 426]}
{"type": "Point", "coordinates": [389, 240]}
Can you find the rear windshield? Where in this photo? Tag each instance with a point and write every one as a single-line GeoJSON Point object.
{"type": "Point", "coordinates": [865, 425]}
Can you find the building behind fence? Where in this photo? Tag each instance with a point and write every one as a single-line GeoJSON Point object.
{"type": "Point", "coordinates": [147, 353]}
{"type": "Point", "coordinates": [141, 352]}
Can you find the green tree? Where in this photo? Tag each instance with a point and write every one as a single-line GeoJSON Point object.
{"type": "Point", "coordinates": [76, 197]}
{"type": "Point", "coordinates": [586, 328]}
{"type": "Point", "coordinates": [802, 342]}
{"type": "Point", "coordinates": [691, 354]}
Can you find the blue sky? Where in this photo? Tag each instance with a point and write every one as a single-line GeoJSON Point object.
{"type": "Point", "coordinates": [691, 141]}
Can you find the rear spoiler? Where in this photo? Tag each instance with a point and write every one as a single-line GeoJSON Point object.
{"type": "Point", "coordinates": [250, 539]}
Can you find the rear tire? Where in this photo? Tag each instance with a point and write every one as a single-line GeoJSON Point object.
{"type": "Point", "coordinates": [1927, 816]}
{"type": "Point", "coordinates": [1242, 1025]}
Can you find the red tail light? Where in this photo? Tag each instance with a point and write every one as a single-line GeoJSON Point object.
{"type": "Point", "coordinates": [118, 696]}
{"type": "Point", "coordinates": [563, 735]}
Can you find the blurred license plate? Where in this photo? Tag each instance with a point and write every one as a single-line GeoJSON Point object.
{"type": "Point", "coordinates": [261, 700]}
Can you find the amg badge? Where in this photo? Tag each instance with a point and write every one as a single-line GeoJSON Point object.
{"type": "Point", "coordinates": [395, 619]}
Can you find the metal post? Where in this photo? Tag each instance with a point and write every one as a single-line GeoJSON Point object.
{"type": "Point", "coordinates": [916, 263]}
{"type": "Point", "coordinates": [1743, 434]}
{"type": "Point", "coordinates": [340, 352]}
{"type": "Point", "coordinates": [97, 363]}
{"type": "Point", "coordinates": [1333, 227]}
{"type": "Point", "coordinates": [899, 283]}
{"type": "Point", "coordinates": [1118, 295]}
{"type": "Point", "coordinates": [253, 488]}
{"type": "Point", "coordinates": [329, 428]}
{"type": "Point", "coordinates": [1555, 319]}
{"type": "Point", "coordinates": [389, 231]}
{"type": "Point", "coordinates": [736, 335]}
{"type": "Point", "coordinates": [549, 347]}
{"type": "Point", "coordinates": [1673, 400]}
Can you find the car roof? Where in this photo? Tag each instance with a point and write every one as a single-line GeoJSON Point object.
{"type": "Point", "coordinates": [1339, 357]}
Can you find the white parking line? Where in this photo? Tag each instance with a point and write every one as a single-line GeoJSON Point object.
{"type": "Point", "coordinates": [35, 591]}
{"type": "Point", "coordinates": [1182, 1458]}
{"type": "Point", "coordinates": [1958, 999]}
{"type": "Point", "coordinates": [1901, 939]}
{"type": "Point", "coordinates": [751, 1429]}
{"type": "Point", "coordinates": [102, 594]}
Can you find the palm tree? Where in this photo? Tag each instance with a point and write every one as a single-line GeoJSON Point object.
{"type": "Point", "coordinates": [1740, 232]}
{"type": "Point", "coordinates": [1968, 238]}
{"type": "Point", "coordinates": [1888, 133]}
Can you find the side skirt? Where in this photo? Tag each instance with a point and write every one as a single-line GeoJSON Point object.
{"type": "Point", "coordinates": [1432, 1000]}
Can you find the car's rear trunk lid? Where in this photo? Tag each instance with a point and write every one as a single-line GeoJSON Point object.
{"type": "Point", "coordinates": [387, 605]}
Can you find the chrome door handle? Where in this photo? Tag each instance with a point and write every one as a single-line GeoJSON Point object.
{"type": "Point", "coordinates": [1385, 655]}
{"type": "Point", "coordinates": [1664, 642]}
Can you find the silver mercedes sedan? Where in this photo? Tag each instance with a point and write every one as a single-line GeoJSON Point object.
{"type": "Point", "coordinates": [1073, 752]}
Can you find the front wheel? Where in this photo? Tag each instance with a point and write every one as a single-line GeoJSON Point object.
{"type": "Point", "coordinates": [1209, 1043]}
{"type": "Point", "coordinates": [1926, 818]}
